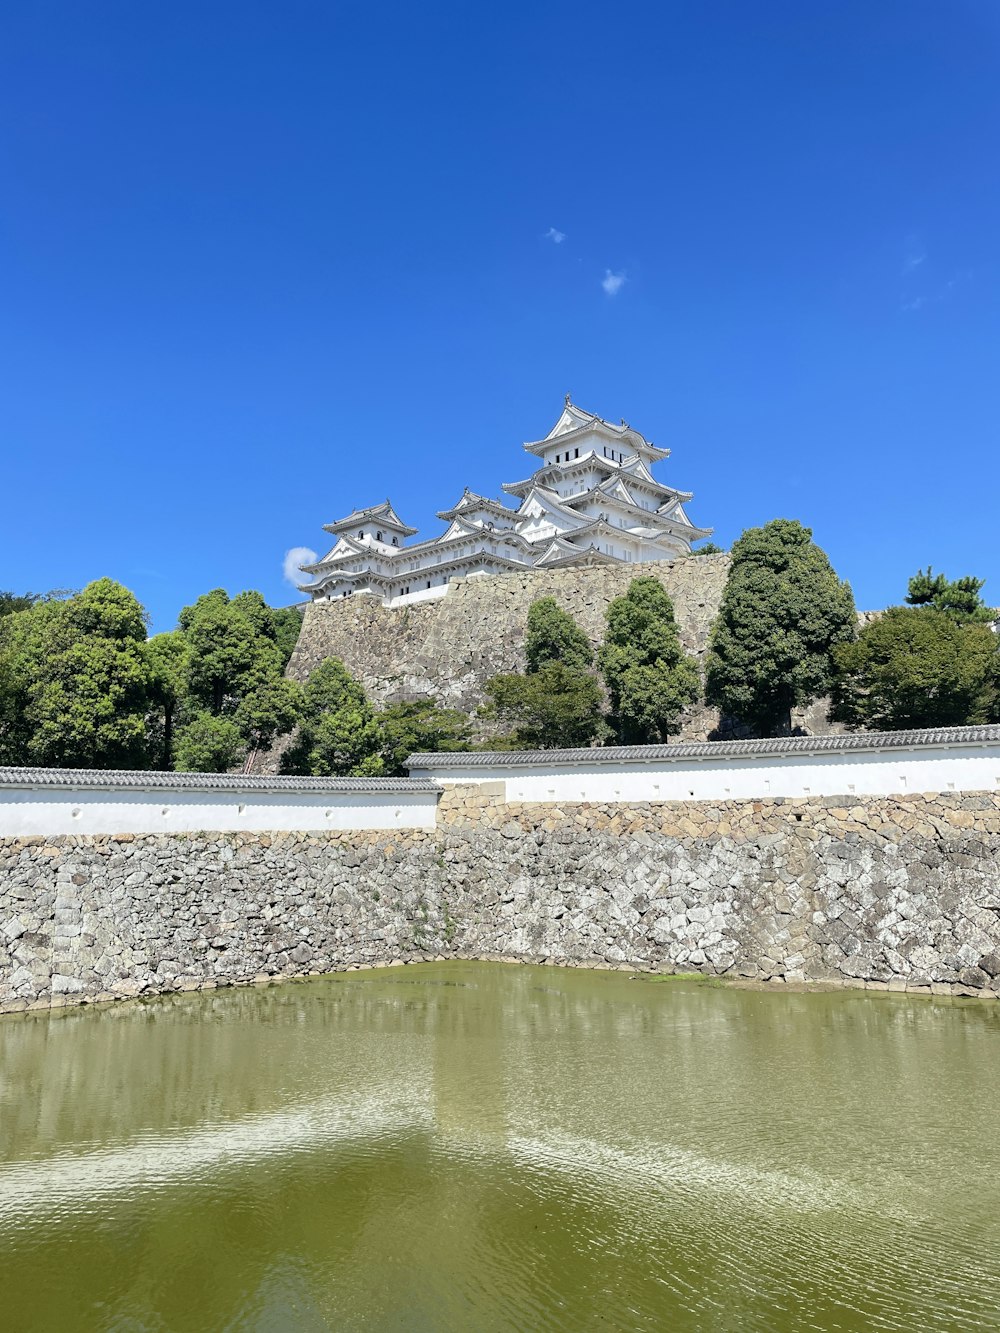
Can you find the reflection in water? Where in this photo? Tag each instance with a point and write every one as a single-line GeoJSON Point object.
{"type": "Point", "coordinates": [474, 1146]}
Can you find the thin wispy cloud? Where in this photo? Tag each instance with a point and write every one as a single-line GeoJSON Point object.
{"type": "Point", "coordinates": [914, 254]}
{"type": "Point", "coordinates": [612, 282]}
{"type": "Point", "coordinates": [298, 555]}
{"type": "Point", "coordinates": [555, 236]}
{"type": "Point", "coordinates": [944, 292]}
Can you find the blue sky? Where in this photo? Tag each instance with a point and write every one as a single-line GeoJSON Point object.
{"type": "Point", "coordinates": [263, 263]}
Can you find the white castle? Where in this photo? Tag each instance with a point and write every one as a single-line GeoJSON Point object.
{"type": "Point", "coordinates": [592, 500]}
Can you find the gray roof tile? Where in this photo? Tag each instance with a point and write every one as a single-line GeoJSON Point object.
{"type": "Point", "coordinates": [783, 745]}
{"type": "Point", "coordinates": [235, 782]}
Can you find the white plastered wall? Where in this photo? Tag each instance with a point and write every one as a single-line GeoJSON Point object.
{"type": "Point", "coordinates": [51, 811]}
{"type": "Point", "coordinates": [861, 773]}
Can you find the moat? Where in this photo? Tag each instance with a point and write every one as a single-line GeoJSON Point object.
{"type": "Point", "coordinates": [480, 1146]}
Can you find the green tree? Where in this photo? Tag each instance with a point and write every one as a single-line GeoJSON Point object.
{"type": "Point", "coordinates": [76, 671]}
{"type": "Point", "coordinates": [959, 599]}
{"type": "Point", "coordinates": [228, 643]}
{"type": "Point", "coordinates": [419, 726]}
{"type": "Point", "coordinates": [236, 652]}
{"type": "Point", "coordinates": [554, 636]}
{"type": "Point", "coordinates": [783, 611]}
{"type": "Point", "coordinates": [15, 729]}
{"type": "Point", "coordinates": [287, 622]}
{"type": "Point", "coordinates": [557, 701]}
{"type": "Point", "coordinates": [208, 744]}
{"type": "Point", "coordinates": [552, 708]}
{"type": "Point", "coordinates": [650, 678]}
{"type": "Point", "coordinates": [917, 667]}
{"type": "Point", "coordinates": [709, 548]}
{"type": "Point", "coordinates": [12, 602]}
{"type": "Point", "coordinates": [270, 708]}
{"type": "Point", "coordinates": [339, 733]}
{"type": "Point", "coordinates": [167, 657]}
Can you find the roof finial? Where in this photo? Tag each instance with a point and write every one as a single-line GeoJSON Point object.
{"type": "Point", "coordinates": [567, 398]}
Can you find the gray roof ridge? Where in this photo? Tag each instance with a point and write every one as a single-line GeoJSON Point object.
{"type": "Point", "coordinates": [141, 780]}
{"type": "Point", "coordinates": [782, 745]}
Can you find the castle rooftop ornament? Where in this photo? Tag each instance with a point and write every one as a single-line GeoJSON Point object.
{"type": "Point", "coordinates": [591, 500]}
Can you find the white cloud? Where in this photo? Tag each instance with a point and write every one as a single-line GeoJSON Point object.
{"type": "Point", "coordinates": [555, 236]}
{"type": "Point", "coordinates": [612, 282]}
{"type": "Point", "coordinates": [298, 555]}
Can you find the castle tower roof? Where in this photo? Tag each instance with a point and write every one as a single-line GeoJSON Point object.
{"type": "Point", "coordinates": [383, 514]}
{"type": "Point", "coordinates": [574, 424]}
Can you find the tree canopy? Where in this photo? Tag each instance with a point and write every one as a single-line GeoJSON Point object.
{"type": "Point", "coordinates": [783, 611]}
{"type": "Point", "coordinates": [231, 667]}
{"type": "Point", "coordinates": [419, 725]}
{"type": "Point", "coordinates": [960, 599]}
{"type": "Point", "coordinates": [556, 702]}
{"type": "Point", "coordinates": [649, 677]}
{"type": "Point", "coordinates": [339, 734]}
{"type": "Point", "coordinates": [916, 666]}
{"type": "Point", "coordinates": [75, 679]}
{"type": "Point", "coordinates": [554, 636]}
{"type": "Point", "coordinates": [552, 708]}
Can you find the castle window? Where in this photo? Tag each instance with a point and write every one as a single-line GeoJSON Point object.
{"type": "Point", "coordinates": [360, 535]}
{"type": "Point", "coordinates": [378, 536]}
{"type": "Point", "coordinates": [428, 583]}
{"type": "Point", "coordinates": [558, 458]}
{"type": "Point", "coordinates": [395, 542]}
{"type": "Point", "coordinates": [576, 453]}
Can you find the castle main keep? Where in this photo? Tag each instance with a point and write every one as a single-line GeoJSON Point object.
{"type": "Point", "coordinates": [592, 500]}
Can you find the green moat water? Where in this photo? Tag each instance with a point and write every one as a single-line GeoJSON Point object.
{"type": "Point", "coordinates": [477, 1146]}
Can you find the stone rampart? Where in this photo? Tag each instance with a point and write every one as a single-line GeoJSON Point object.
{"type": "Point", "coordinates": [448, 648]}
{"type": "Point", "coordinates": [892, 893]}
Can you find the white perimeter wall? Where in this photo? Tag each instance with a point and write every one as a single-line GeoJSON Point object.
{"type": "Point", "coordinates": [53, 810]}
{"type": "Point", "coordinates": [874, 773]}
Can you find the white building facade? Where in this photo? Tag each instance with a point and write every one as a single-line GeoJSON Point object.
{"type": "Point", "coordinates": [592, 499]}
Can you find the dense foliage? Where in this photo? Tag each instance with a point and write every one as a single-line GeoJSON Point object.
{"type": "Point", "coordinates": [554, 636]}
{"type": "Point", "coordinates": [419, 725]}
{"type": "Point", "coordinates": [556, 702]}
{"type": "Point", "coordinates": [75, 681]}
{"type": "Point", "coordinates": [649, 677]}
{"type": "Point", "coordinates": [932, 663]}
{"type": "Point", "coordinates": [783, 612]}
{"type": "Point", "coordinates": [960, 600]}
{"type": "Point", "coordinates": [82, 687]}
{"type": "Point", "coordinates": [224, 664]}
{"type": "Point", "coordinates": [552, 708]}
{"type": "Point", "coordinates": [339, 734]}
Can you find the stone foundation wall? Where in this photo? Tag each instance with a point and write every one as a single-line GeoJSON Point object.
{"type": "Point", "coordinates": [449, 648]}
{"type": "Point", "coordinates": [899, 893]}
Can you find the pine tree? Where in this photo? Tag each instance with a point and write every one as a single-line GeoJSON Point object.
{"type": "Point", "coordinates": [960, 600]}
